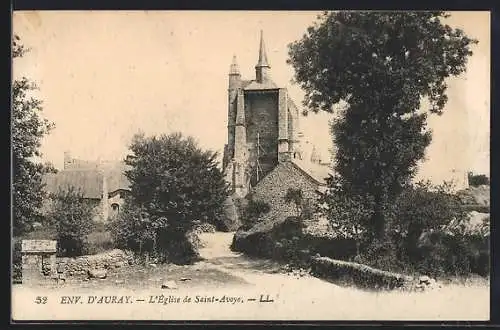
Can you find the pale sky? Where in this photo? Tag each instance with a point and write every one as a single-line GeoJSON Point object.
{"type": "Point", "coordinates": [105, 75]}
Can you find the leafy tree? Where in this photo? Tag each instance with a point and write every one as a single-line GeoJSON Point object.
{"type": "Point", "coordinates": [28, 128]}
{"type": "Point", "coordinates": [476, 180]}
{"type": "Point", "coordinates": [72, 215]}
{"type": "Point", "coordinates": [175, 183]}
{"type": "Point", "coordinates": [380, 65]}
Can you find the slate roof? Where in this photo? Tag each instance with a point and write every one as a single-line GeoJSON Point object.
{"type": "Point", "coordinates": [254, 85]}
{"type": "Point", "coordinates": [87, 181]}
{"type": "Point", "coordinates": [317, 172]}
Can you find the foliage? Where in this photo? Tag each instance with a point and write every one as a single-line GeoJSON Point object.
{"type": "Point", "coordinates": [346, 212]}
{"type": "Point", "coordinates": [424, 208]}
{"type": "Point", "coordinates": [253, 210]}
{"type": "Point", "coordinates": [427, 233]}
{"type": "Point", "coordinates": [17, 266]}
{"type": "Point", "coordinates": [174, 185]}
{"type": "Point", "coordinates": [72, 216]}
{"type": "Point", "coordinates": [381, 65]}
{"type": "Point", "coordinates": [345, 54]}
{"type": "Point", "coordinates": [262, 238]}
{"type": "Point", "coordinates": [476, 180]}
{"type": "Point", "coordinates": [172, 177]}
{"type": "Point", "coordinates": [28, 128]}
{"type": "Point", "coordinates": [443, 254]}
{"type": "Point", "coordinates": [133, 229]}
{"type": "Point", "coordinates": [99, 240]}
{"type": "Point", "coordinates": [204, 227]}
{"type": "Point", "coordinates": [47, 231]}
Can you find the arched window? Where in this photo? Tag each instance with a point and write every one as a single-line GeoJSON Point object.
{"type": "Point", "coordinates": [115, 209]}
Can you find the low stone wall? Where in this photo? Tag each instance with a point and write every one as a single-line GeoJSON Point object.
{"type": "Point", "coordinates": [82, 265]}
{"type": "Point", "coordinates": [344, 272]}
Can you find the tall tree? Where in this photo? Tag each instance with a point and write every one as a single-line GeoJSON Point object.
{"type": "Point", "coordinates": [27, 129]}
{"type": "Point", "coordinates": [175, 183]}
{"type": "Point", "coordinates": [381, 64]}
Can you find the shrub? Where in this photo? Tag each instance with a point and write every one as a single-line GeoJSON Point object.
{"type": "Point", "coordinates": [204, 227]}
{"type": "Point", "coordinates": [132, 230]}
{"type": "Point", "coordinates": [333, 247]}
{"type": "Point", "coordinates": [253, 211]}
{"type": "Point", "coordinates": [476, 180]}
{"type": "Point", "coordinates": [442, 254]}
{"type": "Point", "coordinates": [260, 239]}
{"type": "Point", "coordinates": [427, 235]}
{"type": "Point", "coordinates": [347, 212]}
{"type": "Point", "coordinates": [99, 240]}
{"type": "Point", "coordinates": [72, 217]}
{"type": "Point", "coordinates": [152, 236]}
{"type": "Point", "coordinates": [17, 271]}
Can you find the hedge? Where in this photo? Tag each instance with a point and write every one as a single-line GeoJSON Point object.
{"type": "Point", "coordinates": [359, 275]}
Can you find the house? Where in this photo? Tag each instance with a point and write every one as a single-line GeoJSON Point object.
{"type": "Point", "coordinates": [104, 184]}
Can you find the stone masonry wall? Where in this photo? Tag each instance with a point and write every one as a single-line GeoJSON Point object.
{"type": "Point", "coordinates": [261, 111]}
{"type": "Point", "coordinates": [272, 189]}
{"type": "Point", "coordinates": [81, 265]}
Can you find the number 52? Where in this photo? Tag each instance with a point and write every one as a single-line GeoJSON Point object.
{"type": "Point", "coordinates": [41, 300]}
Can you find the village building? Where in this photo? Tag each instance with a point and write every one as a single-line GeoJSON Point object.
{"type": "Point", "coordinates": [103, 183]}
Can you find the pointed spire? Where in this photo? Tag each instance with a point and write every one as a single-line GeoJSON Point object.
{"type": "Point", "coordinates": [262, 52]}
{"type": "Point", "coordinates": [234, 69]}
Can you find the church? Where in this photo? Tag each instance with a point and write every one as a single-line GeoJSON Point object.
{"type": "Point", "coordinates": [263, 155]}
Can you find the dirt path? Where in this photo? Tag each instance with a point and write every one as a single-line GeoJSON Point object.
{"type": "Point", "coordinates": [224, 273]}
{"type": "Point", "coordinates": [261, 273]}
{"type": "Point", "coordinates": [318, 299]}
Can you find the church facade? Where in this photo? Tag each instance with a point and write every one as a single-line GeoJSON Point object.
{"type": "Point", "coordinates": [263, 126]}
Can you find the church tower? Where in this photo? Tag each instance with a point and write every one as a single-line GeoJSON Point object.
{"type": "Point", "coordinates": [262, 125]}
